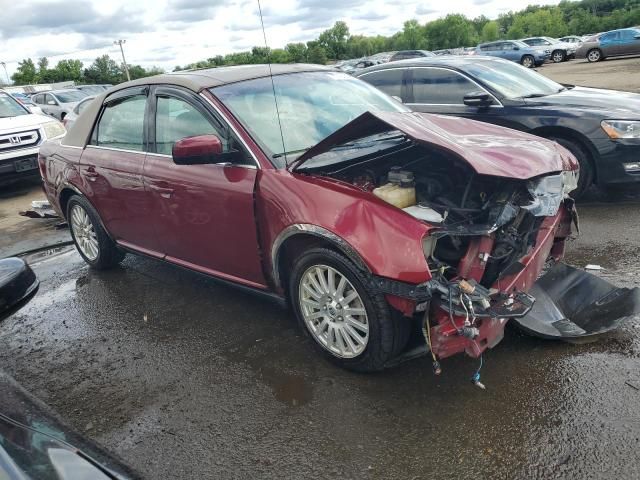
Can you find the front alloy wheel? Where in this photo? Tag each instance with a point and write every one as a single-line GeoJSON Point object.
{"type": "Point", "coordinates": [345, 314]}
{"type": "Point", "coordinates": [333, 311]}
{"type": "Point", "coordinates": [558, 56]}
{"type": "Point", "coordinates": [594, 55]}
{"type": "Point", "coordinates": [528, 61]}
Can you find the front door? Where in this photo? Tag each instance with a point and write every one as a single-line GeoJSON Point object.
{"type": "Point", "coordinates": [111, 170]}
{"type": "Point", "coordinates": [203, 214]}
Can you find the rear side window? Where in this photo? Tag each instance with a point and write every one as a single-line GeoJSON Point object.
{"type": "Point", "coordinates": [437, 86]}
{"type": "Point", "coordinates": [122, 124]}
{"type": "Point", "coordinates": [389, 81]}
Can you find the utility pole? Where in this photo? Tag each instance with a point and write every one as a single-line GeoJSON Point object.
{"type": "Point", "coordinates": [124, 62]}
{"type": "Point", "coordinates": [4, 65]}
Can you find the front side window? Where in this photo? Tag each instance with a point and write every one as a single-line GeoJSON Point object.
{"type": "Point", "coordinates": [122, 124]}
{"type": "Point", "coordinates": [440, 86]}
{"type": "Point", "coordinates": [48, 99]}
{"type": "Point", "coordinates": [312, 105]}
{"type": "Point", "coordinates": [177, 119]}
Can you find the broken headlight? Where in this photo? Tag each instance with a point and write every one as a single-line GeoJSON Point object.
{"type": "Point", "coordinates": [428, 246]}
{"type": "Point", "coordinates": [570, 181]}
{"type": "Point", "coordinates": [547, 194]}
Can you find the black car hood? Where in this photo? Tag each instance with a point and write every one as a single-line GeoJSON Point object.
{"type": "Point", "coordinates": [622, 104]}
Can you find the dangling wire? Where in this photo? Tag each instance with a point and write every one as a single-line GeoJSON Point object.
{"type": "Point", "coordinates": [273, 86]}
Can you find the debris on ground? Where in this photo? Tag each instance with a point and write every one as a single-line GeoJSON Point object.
{"type": "Point", "coordinates": [593, 267]}
{"type": "Point", "coordinates": [40, 209]}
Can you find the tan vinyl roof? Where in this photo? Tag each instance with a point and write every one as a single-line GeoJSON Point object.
{"type": "Point", "coordinates": [195, 80]}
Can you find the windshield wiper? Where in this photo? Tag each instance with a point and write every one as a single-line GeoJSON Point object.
{"type": "Point", "coordinates": [291, 152]}
{"type": "Point", "coordinates": [535, 95]}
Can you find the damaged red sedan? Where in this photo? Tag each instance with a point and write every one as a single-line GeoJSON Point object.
{"type": "Point", "coordinates": [309, 185]}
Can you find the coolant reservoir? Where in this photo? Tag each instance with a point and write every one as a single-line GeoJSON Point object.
{"type": "Point", "coordinates": [422, 212]}
{"type": "Point", "coordinates": [400, 191]}
{"type": "Point", "coordinates": [396, 195]}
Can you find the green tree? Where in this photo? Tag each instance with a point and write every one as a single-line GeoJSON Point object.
{"type": "Point", "coordinates": [451, 31]}
{"type": "Point", "coordinates": [490, 31]}
{"type": "Point", "coordinates": [297, 52]}
{"type": "Point", "coordinates": [26, 73]}
{"type": "Point", "coordinates": [317, 54]}
{"type": "Point", "coordinates": [104, 70]}
{"type": "Point", "coordinates": [334, 40]}
{"type": "Point", "coordinates": [412, 36]}
{"type": "Point", "coordinates": [69, 70]}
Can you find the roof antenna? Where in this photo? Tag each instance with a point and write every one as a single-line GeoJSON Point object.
{"type": "Point", "coordinates": [273, 86]}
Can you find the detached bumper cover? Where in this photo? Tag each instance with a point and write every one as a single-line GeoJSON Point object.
{"type": "Point", "coordinates": [572, 304]}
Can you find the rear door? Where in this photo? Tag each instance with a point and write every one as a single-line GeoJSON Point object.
{"type": "Point", "coordinates": [392, 81]}
{"type": "Point", "coordinates": [203, 214]}
{"type": "Point", "coordinates": [629, 42]}
{"type": "Point", "coordinates": [111, 169]}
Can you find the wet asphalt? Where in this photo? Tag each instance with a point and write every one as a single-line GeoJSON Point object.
{"type": "Point", "coordinates": [183, 377]}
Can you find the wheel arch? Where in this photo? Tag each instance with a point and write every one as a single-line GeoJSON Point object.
{"type": "Point", "coordinates": [574, 136]}
{"type": "Point", "coordinates": [69, 191]}
{"type": "Point", "coordinates": [299, 237]}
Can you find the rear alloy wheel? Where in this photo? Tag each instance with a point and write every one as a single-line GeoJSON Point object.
{"type": "Point", "coordinates": [528, 61]}
{"type": "Point", "coordinates": [92, 242]}
{"type": "Point", "coordinates": [348, 319]}
{"type": "Point", "coordinates": [558, 56]}
{"type": "Point", "coordinates": [594, 55]}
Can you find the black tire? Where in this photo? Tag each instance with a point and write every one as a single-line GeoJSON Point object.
{"type": "Point", "coordinates": [584, 159]}
{"type": "Point", "coordinates": [594, 55]}
{"type": "Point", "coordinates": [109, 255]}
{"type": "Point", "coordinates": [528, 61]}
{"type": "Point", "coordinates": [388, 330]}
{"type": "Point", "coordinates": [558, 56]}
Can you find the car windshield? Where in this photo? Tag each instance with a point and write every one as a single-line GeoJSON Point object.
{"type": "Point", "coordinates": [512, 80]}
{"type": "Point", "coordinates": [312, 105]}
{"type": "Point", "coordinates": [70, 96]}
{"type": "Point", "coordinates": [9, 107]}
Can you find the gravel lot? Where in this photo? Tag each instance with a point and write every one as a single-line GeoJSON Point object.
{"type": "Point", "coordinates": [185, 378]}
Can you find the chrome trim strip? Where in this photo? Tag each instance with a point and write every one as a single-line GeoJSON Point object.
{"type": "Point", "coordinates": [164, 155]}
{"type": "Point", "coordinates": [226, 119]}
{"type": "Point", "coordinates": [315, 230]}
{"type": "Point", "coordinates": [99, 147]}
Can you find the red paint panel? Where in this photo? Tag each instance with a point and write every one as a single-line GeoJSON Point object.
{"type": "Point", "coordinates": [387, 239]}
{"type": "Point", "coordinates": [204, 216]}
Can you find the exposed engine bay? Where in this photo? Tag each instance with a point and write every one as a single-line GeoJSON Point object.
{"type": "Point", "coordinates": [492, 239]}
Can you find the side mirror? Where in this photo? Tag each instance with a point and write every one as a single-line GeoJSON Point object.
{"type": "Point", "coordinates": [198, 150]}
{"type": "Point", "coordinates": [477, 99]}
{"type": "Point", "coordinates": [18, 284]}
{"type": "Point", "coordinates": [51, 102]}
{"type": "Point", "coordinates": [516, 48]}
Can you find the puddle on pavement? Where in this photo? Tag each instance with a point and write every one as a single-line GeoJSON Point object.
{"type": "Point", "coordinates": [45, 299]}
{"type": "Point", "coordinates": [292, 390]}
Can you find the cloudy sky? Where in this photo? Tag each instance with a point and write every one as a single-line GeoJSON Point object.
{"type": "Point", "coordinates": [166, 33]}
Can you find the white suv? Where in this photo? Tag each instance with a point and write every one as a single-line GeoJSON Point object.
{"type": "Point", "coordinates": [21, 134]}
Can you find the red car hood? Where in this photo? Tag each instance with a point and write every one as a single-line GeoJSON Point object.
{"type": "Point", "coordinates": [488, 149]}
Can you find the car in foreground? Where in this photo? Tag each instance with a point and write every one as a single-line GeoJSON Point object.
{"type": "Point", "coordinates": [560, 51]}
{"type": "Point", "coordinates": [58, 103]}
{"type": "Point", "coordinates": [625, 41]}
{"type": "Point", "coordinates": [514, 51]}
{"type": "Point", "coordinates": [34, 442]}
{"type": "Point", "coordinates": [21, 134]}
{"type": "Point", "coordinates": [71, 117]}
{"type": "Point", "coordinates": [600, 127]}
{"type": "Point", "coordinates": [365, 217]}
